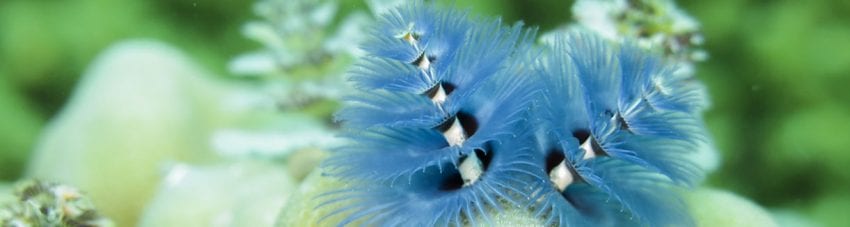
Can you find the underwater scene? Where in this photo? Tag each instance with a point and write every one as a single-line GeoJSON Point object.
{"type": "Point", "coordinates": [424, 113]}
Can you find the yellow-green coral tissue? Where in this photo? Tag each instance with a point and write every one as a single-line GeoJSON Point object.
{"type": "Point", "coordinates": [711, 207]}
{"type": "Point", "coordinates": [305, 207]}
{"type": "Point", "coordinates": [244, 193]}
{"type": "Point", "coordinates": [135, 109]}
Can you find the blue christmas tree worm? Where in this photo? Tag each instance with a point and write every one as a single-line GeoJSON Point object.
{"type": "Point", "coordinates": [616, 132]}
{"type": "Point", "coordinates": [456, 118]}
{"type": "Point", "coordinates": [439, 96]}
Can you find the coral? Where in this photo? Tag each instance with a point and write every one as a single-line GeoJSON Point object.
{"type": "Point", "coordinates": [657, 25]}
{"type": "Point", "coordinates": [238, 193]}
{"type": "Point", "coordinates": [306, 47]}
{"type": "Point", "coordinates": [712, 207]}
{"type": "Point", "coordinates": [297, 72]}
{"type": "Point", "coordinates": [40, 203]}
{"type": "Point", "coordinates": [124, 121]}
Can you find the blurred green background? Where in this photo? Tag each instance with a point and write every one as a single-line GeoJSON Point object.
{"type": "Point", "coordinates": [778, 74]}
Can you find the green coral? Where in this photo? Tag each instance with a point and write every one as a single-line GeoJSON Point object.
{"type": "Point", "coordinates": [50, 204]}
{"type": "Point", "coordinates": [305, 207]}
{"type": "Point", "coordinates": [124, 121]}
{"type": "Point", "coordinates": [712, 207]}
{"type": "Point", "coordinates": [241, 193]}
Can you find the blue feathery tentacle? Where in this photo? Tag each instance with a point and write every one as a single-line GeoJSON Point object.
{"type": "Point", "coordinates": [388, 151]}
{"type": "Point", "coordinates": [366, 109]}
{"type": "Point", "coordinates": [560, 109]}
{"type": "Point", "coordinates": [406, 33]}
{"type": "Point", "coordinates": [389, 154]}
{"type": "Point", "coordinates": [603, 191]}
{"type": "Point", "coordinates": [645, 196]}
{"type": "Point", "coordinates": [627, 107]}
{"type": "Point", "coordinates": [454, 118]}
{"type": "Point", "coordinates": [439, 196]}
{"type": "Point", "coordinates": [488, 53]}
{"type": "Point", "coordinates": [610, 139]}
{"type": "Point", "coordinates": [388, 74]}
{"type": "Point", "coordinates": [419, 34]}
{"type": "Point", "coordinates": [446, 141]}
{"type": "Point", "coordinates": [490, 50]}
{"type": "Point", "coordinates": [652, 101]}
{"type": "Point", "coordinates": [577, 203]}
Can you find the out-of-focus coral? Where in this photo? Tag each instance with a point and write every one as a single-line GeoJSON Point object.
{"type": "Point", "coordinates": [241, 193]}
{"type": "Point", "coordinates": [295, 79]}
{"type": "Point", "coordinates": [40, 203]}
{"type": "Point", "coordinates": [271, 135]}
{"type": "Point", "coordinates": [711, 207]}
{"type": "Point", "coordinates": [292, 83]}
{"type": "Point", "coordinates": [657, 25]}
{"type": "Point", "coordinates": [303, 162]}
{"type": "Point", "coordinates": [304, 210]}
{"type": "Point", "coordinates": [141, 104]}
{"type": "Point", "coordinates": [306, 48]}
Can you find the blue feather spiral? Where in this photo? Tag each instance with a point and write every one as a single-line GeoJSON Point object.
{"type": "Point", "coordinates": [456, 118]}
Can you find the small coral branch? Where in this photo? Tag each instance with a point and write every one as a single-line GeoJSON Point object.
{"type": "Point", "coordinates": [42, 203]}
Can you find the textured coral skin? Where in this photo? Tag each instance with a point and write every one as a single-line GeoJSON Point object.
{"type": "Point", "coordinates": [517, 110]}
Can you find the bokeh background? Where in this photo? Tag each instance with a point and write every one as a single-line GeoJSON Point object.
{"type": "Point", "coordinates": [778, 75]}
